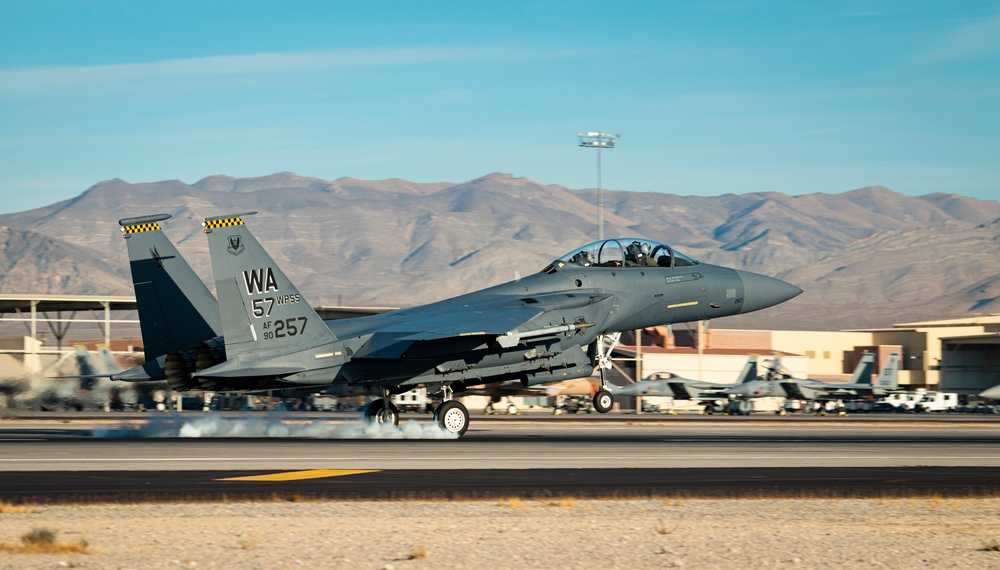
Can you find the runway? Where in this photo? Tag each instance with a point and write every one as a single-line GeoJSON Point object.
{"type": "Point", "coordinates": [595, 457]}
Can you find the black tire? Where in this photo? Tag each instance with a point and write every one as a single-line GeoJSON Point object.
{"type": "Point", "coordinates": [453, 417]}
{"type": "Point", "coordinates": [603, 401]}
{"type": "Point", "coordinates": [374, 412]}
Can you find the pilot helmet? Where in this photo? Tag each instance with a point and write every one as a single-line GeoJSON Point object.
{"type": "Point", "coordinates": [584, 258]}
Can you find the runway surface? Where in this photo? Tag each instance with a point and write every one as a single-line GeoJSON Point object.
{"type": "Point", "coordinates": [45, 461]}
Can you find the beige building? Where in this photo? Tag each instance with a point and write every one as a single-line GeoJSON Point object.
{"type": "Point", "coordinates": [958, 355]}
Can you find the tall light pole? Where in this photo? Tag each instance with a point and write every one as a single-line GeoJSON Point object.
{"type": "Point", "coordinates": [600, 141]}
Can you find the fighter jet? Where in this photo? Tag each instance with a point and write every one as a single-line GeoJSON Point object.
{"type": "Point", "coordinates": [673, 386]}
{"type": "Point", "coordinates": [859, 386]}
{"type": "Point", "coordinates": [556, 325]}
{"type": "Point", "coordinates": [778, 383]}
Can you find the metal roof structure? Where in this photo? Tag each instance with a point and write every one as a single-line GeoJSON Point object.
{"type": "Point", "coordinates": [49, 310]}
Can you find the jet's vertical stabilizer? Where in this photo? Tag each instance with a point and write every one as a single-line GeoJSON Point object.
{"type": "Point", "coordinates": [176, 309]}
{"type": "Point", "coordinates": [262, 311]}
{"type": "Point", "coordinates": [888, 379]}
{"type": "Point", "coordinates": [774, 368]}
{"type": "Point", "coordinates": [749, 372]}
{"type": "Point", "coordinates": [863, 371]}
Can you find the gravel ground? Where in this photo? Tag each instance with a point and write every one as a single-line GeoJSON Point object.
{"type": "Point", "coordinates": [856, 533]}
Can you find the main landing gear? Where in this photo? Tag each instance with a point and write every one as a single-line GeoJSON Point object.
{"type": "Point", "coordinates": [603, 400]}
{"type": "Point", "coordinates": [451, 415]}
{"type": "Point", "coordinates": [382, 411]}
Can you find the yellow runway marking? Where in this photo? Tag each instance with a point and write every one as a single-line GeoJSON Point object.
{"type": "Point", "coordinates": [297, 475]}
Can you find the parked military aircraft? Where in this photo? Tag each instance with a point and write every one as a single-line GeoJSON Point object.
{"type": "Point", "coordinates": [859, 386]}
{"type": "Point", "coordinates": [673, 386]}
{"type": "Point", "coordinates": [777, 383]}
{"type": "Point", "coordinates": [548, 327]}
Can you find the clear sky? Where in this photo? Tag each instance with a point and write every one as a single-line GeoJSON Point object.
{"type": "Point", "coordinates": [709, 97]}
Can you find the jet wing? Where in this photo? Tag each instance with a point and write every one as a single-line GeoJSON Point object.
{"type": "Point", "coordinates": [392, 341]}
{"type": "Point", "coordinates": [464, 323]}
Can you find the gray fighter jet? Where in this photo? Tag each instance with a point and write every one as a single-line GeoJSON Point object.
{"type": "Point", "coordinates": [859, 386]}
{"type": "Point", "coordinates": [555, 325]}
{"type": "Point", "coordinates": [778, 383]}
{"type": "Point", "coordinates": [673, 386]}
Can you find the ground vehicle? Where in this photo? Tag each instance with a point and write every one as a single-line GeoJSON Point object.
{"type": "Point", "coordinates": [903, 401]}
{"type": "Point", "coordinates": [937, 402]}
{"type": "Point", "coordinates": [413, 401]}
{"type": "Point", "coordinates": [323, 403]}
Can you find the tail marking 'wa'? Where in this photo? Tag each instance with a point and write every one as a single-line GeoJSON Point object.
{"type": "Point", "coordinates": [263, 313]}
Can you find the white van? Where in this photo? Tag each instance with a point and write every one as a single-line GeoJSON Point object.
{"type": "Point", "coordinates": [937, 402]}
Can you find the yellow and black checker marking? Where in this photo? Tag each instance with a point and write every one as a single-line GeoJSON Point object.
{"type": "Point", "coordinates": [300, 475]}
{"type": "Point", "coordinates": [223, 223]}
{"type": "Point", "coordinates": [138, 228]}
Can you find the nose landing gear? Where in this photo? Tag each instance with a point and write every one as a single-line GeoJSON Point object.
{"type": "Point", "coordinates": [603, 400]}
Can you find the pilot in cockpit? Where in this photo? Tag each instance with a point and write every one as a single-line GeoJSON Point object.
{"type": "Point", "coordinates": [637, 255]}
{"type": "Point", "coordinates": [584, 258]}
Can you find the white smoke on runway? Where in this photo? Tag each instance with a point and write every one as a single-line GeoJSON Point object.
{"type": "Point", "coordinates": [279, 426]}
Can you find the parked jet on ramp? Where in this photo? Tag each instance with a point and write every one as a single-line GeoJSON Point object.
{"type": "Point", "coordinates": [673, 386]}
{"type": "Point", "coordinates": [552, 326]}
{"type": "Point", "coordinates": [859, 386]}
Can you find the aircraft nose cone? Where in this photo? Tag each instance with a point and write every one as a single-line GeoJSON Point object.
{"type": "Point", "coordinates": [991, 393]}
{"type": "Point", "coordinates": [761, 291]}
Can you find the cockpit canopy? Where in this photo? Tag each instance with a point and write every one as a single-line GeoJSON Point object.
{"type": "Point", "coordinates": [622, 252]}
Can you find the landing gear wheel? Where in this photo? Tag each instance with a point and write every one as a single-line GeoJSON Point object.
{"type": "Point", "coordinates": [603, 401]}
{"type": "Point", "coordinates": [489, 411]}
{"type": "Point", "coordinates": [453, 417]}
{"type": "Point", "coordinates": [378, 412]}
{"type": "Point", "coordinates": [511, 410]}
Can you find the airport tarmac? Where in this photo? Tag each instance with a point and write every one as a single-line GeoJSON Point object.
{"type": "Point", "coordinates": [593, 457]}
{"type": "Point", "coordinates": [292, 441]}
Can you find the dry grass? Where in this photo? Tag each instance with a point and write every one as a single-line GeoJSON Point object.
{"type": "Point", "coordinates": [513, 503]}
{"type": "Point", "coordinates": [418, 553]}
{"type": "Point", "coordinates": [43, 541]}
{"type": "Point", "coordinates": [991, 546]}
{"type": "Point", "coordinates": [516, 503]}
{"type": "Point", "coordinates": [9, 509]}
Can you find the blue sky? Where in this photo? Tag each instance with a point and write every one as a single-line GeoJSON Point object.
{"type": "Point", "coordinates": [709, 97]}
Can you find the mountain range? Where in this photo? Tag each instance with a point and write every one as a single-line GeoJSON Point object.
{"type": "Point", "coordinates": [865, 258]}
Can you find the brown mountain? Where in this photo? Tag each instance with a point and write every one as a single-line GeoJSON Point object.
{"type": "Point", "coordinates": [866, 258]}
